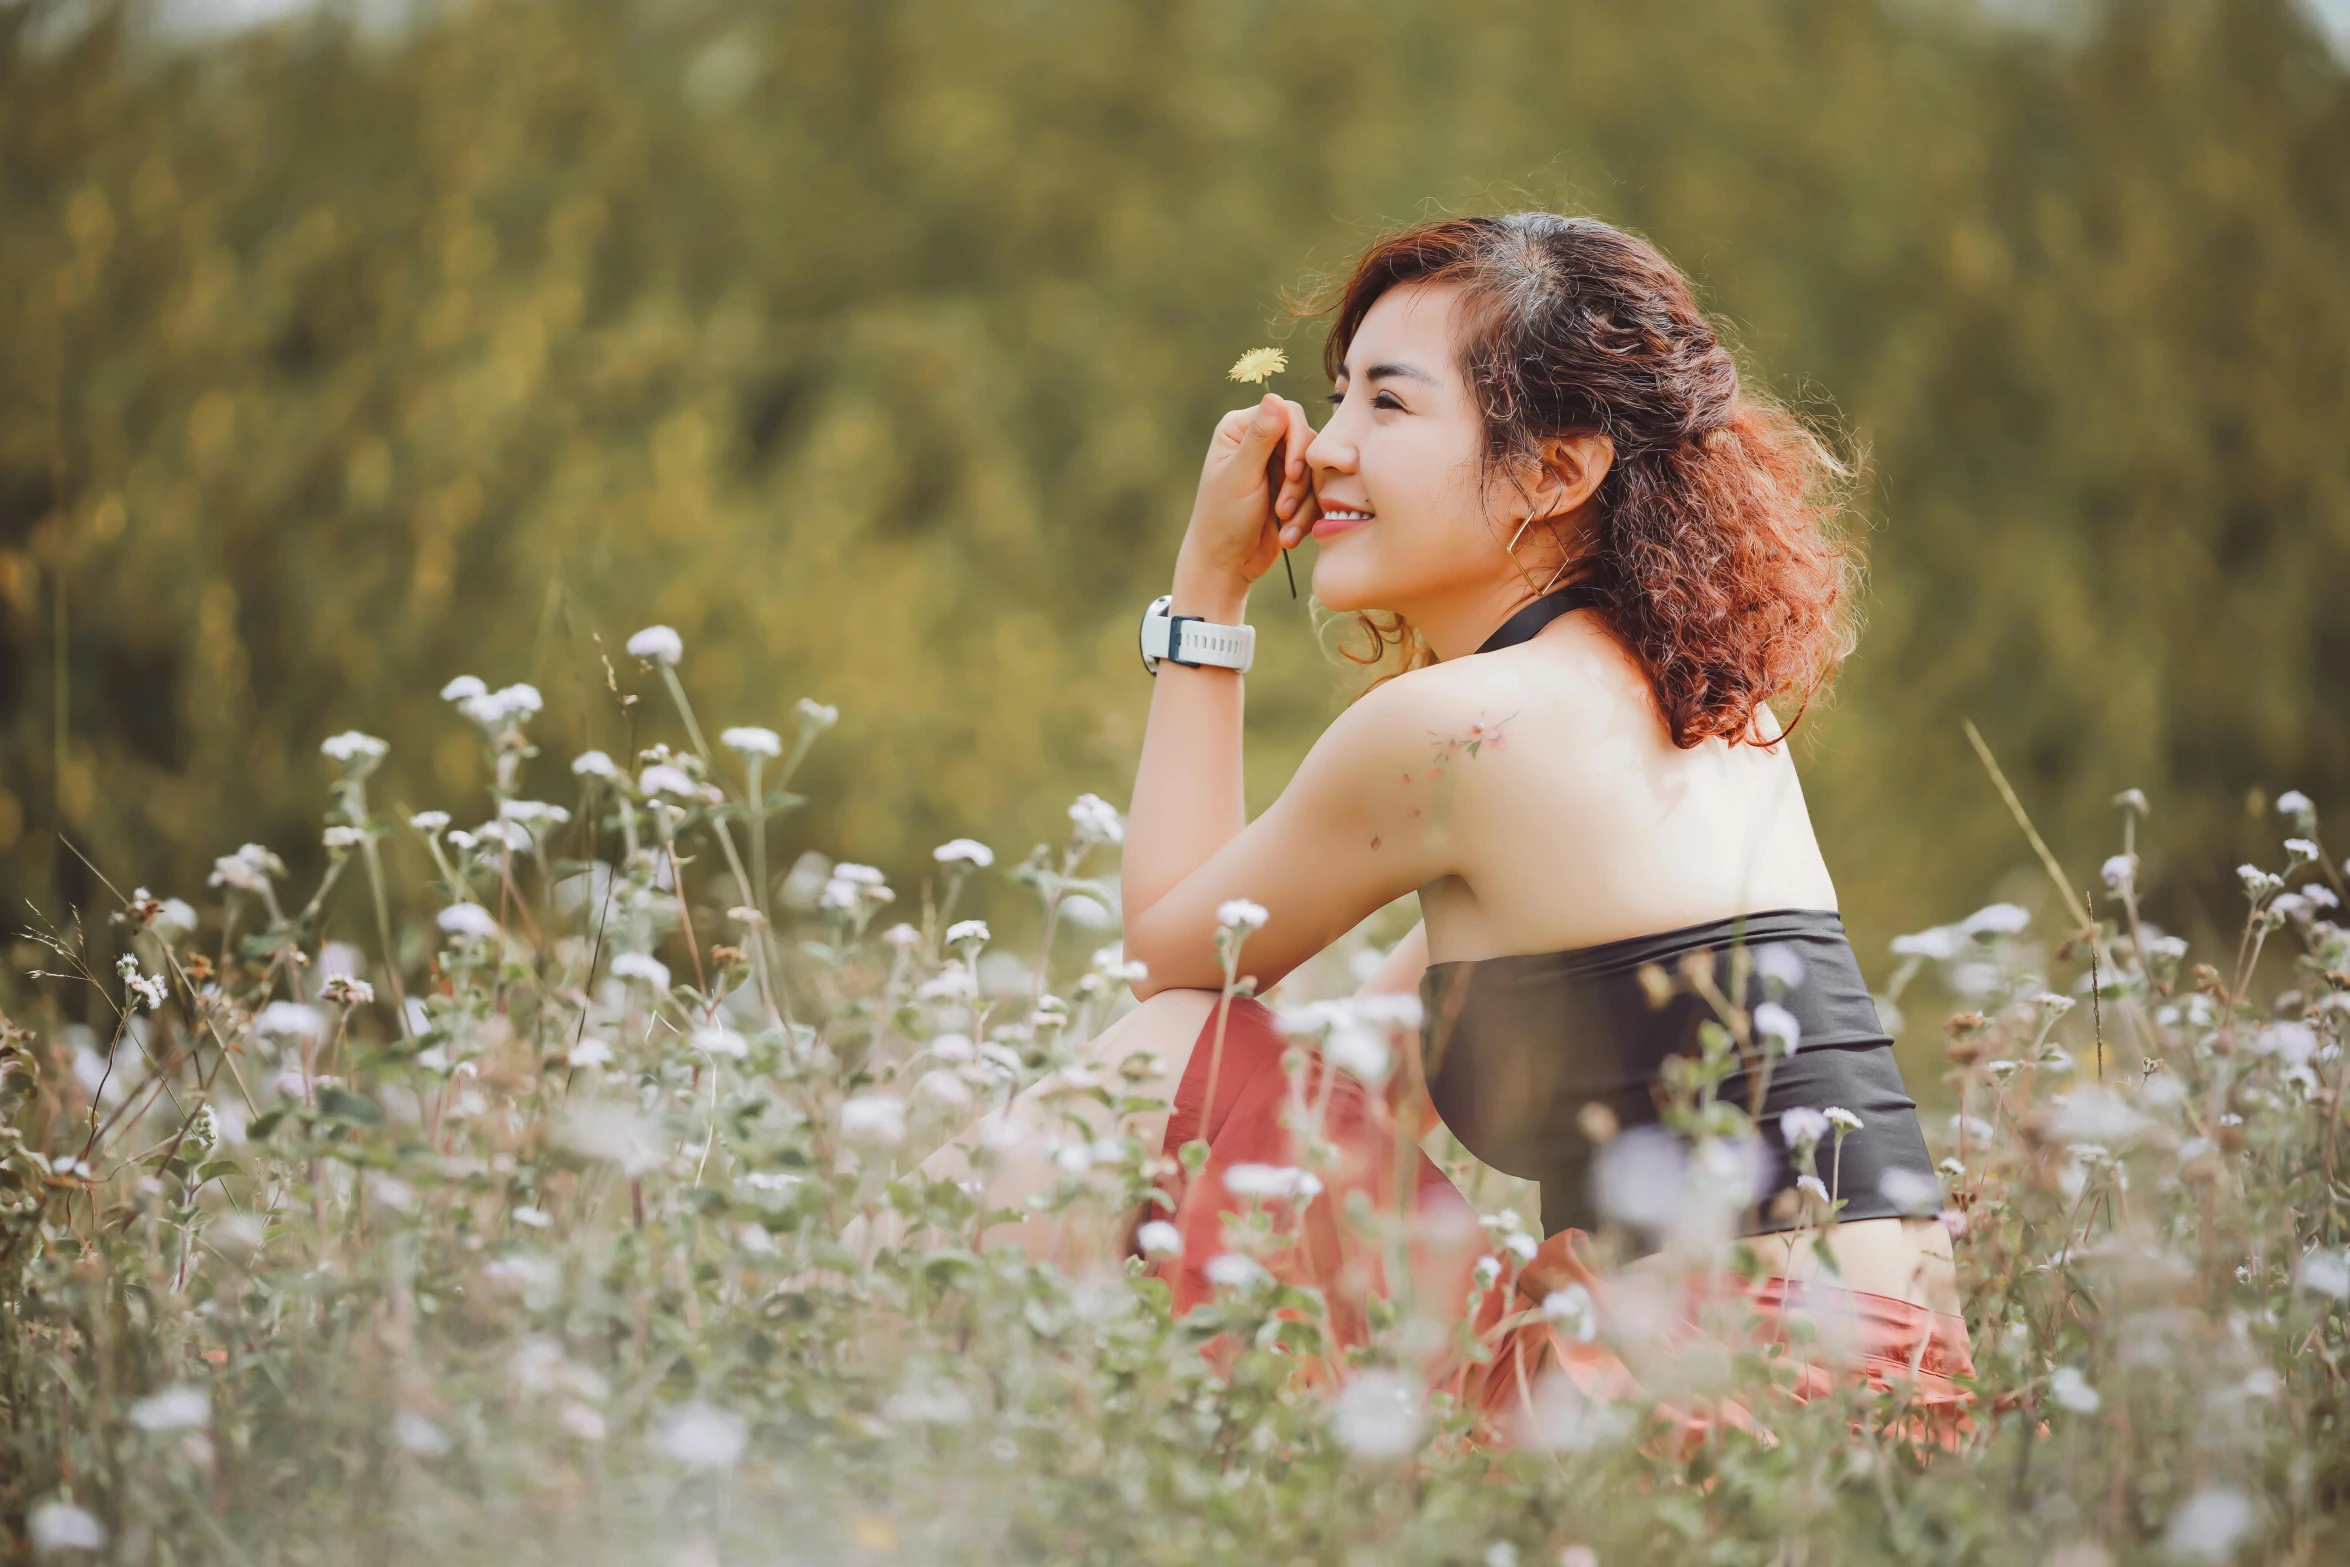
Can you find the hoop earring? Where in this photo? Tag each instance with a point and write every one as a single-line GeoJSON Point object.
{"type": "Point", "coordinates": [1511, 549]}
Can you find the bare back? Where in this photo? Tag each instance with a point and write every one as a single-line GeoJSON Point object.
{"type": "Point", "coordinates": [1576, 819]}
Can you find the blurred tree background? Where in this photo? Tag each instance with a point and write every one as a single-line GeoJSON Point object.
{"type": "Point", "coordinates": [874, 344]}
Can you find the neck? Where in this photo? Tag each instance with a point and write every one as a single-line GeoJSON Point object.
{"type": "Point", "coordinates": [1458, 624]}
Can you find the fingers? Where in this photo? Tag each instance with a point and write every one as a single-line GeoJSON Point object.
{"type": "Point", "coordinates": [1294, 477]}
{"type": "Point", "coordinates": [1267, 423]}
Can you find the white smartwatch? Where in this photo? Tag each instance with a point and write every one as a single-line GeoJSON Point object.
{"type": "Point", "coordinates": [1193, 642]}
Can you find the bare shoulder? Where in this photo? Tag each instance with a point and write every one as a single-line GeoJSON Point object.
{"type": "Point", "coordinates": [1559, 676]}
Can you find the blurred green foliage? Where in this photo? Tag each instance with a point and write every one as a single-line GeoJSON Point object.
{"type": "Point", "coordinates": [873, 344]}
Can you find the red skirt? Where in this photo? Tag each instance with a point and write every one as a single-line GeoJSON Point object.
{"type": "Point", "coordinates": [1828, 1336]}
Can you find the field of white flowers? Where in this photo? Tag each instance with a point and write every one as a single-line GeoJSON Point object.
{"type": "Point", "coordinates": [528, 1248]}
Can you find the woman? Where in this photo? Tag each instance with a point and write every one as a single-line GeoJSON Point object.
{"type": "Point", "coordinates": [1603, 559]}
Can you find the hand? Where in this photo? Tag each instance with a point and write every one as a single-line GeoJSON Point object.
{"type": "Point", "coordinates": [1255, 500]}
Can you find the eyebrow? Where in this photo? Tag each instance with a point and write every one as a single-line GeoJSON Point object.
{"type": "Point", "coordinates": [1384, 371]}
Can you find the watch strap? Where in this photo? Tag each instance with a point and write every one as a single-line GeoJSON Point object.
{"type": "Point", "coordinates": [1192, 641]}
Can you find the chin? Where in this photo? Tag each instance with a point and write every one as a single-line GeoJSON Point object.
{"type": "Point", "coordinates": [1342, 586]}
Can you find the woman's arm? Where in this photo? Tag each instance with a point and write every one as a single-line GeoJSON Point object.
{"type": "Point", "coordinates": [1351, 833]}
{"type": "Point", "coordinates": [1187, 792]}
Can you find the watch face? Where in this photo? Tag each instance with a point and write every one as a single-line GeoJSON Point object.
{"type": "Point", "coordinates": [1142, 634]}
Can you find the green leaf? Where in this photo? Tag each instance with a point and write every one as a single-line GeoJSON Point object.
{"type": "Point", "coordinates": [342, 1104]}
{"type": "Point", "coordinates": [261, 1128]}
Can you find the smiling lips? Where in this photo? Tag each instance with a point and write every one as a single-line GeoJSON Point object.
{"type": "Point", "coordinates": [1338, 519]}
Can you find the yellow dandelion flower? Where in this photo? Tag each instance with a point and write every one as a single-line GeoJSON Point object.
{"type": "Point", "coordinates": [1259, 365]}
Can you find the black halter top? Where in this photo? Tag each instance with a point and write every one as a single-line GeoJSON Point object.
{"type": "Point", "coordinates": [1516, 1048]}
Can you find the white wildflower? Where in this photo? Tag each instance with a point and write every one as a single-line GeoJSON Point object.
{"type": "Point", "coordinates": [1999, 919]}
{"type": "Point", "coordinates": [1641, 1178]}
{"type": "Point", "coordinates": [1240, 915]}
{"type": "Point", "coordinates": [1911, 1193]}
{"type": "Point", "coordinates": [750, 740]}
{"type": "Point", "coordinates": [2258, 884]}
{"type": "Point", "coordinates": [1780, 965]}
{"type": "Point", "coordinates": [1803, 1125]}
{"type": "Point", "coordinates": [176, 918]}
{"type": "Point", "coordinates": [139, 986]}
{"type": "Point", "coordinates": [2300, 851]}
{"type": "Point", "coordinates": [954, 1047]}
{"type": "Point", "coordinates": [342, 840]}
{"type": "Point", "coordinates": [247, 870]}
{"type": "Point", "coordinates": [718, 1040]}
{"type": "Point", "coordinates": [2211, 1525]}
{"type": "Point", "coordinates": [644, 966]}
{"type": "Point", "coordinates": [582, 1421]}
{"type": "Point", "coordinates": [419, 1435]}
{"type": "Point", "coordinates": [2053, 1006]}
{"type": "Point", "coordinates": [429, 822]}
{"type": "Point", "coordinates": [661, 778]}
{"type": "Point", "coordinates": [468, 921]}
{"type": "Point", "coordinates": [346, 990]}
{"type": "Point", "coordinates": [1937, 945]}
{"type": "Point", "coordinates": [1234, 1270]}
{"type": "Point", "coordinates": [1084, 912]}
{"type": "Point", "coordinates": [1158, 1238]}
{"type": "Point", "coordinates": [2323, 1272]}
{"type": "Point", "coordinates": [815, 716]}
{"type": "Point", "coordinates": [1112, 963]}
{"type": "Point", "coordinates": [845, 895]}
{"type": "Point", "coordinates": [357, 752]}
{"type": "Point", "coordinates": [1815, 1188]}
{"type": "Point", "coordinates": [57, 1525]}
{"type": "Point", "coordinates": [1096, 820]}
{"type": "Point", "coordinates": [590, 1051]}
{"type": "Point", "coordinates": [2119, 871]}
{"type": "Point", "coordinates": [954, 982]}
{"type": "Point", "coordinates": [2292, 1042]}
{"type": "Point", "coordinates": [180, 1408]}
{"type": "Point", "coordinates": [1270, 1181]}
{"type": "Point", "coordinates": [291, 1019]}
{"type": "Point", "coordinates": [1775, 1023]}
{"type": "Point", "coordinates": [1360, 1052]}
{"type": "Point", "coordinates": [464, 688]}
{"type": "Point", "coordinates": [901, 935]}
{"type": "Point", "coordinates": [2297, 805]}
{"type": "Point", "coordinates": [1838, 1116]}
{"type": "Point", "coordinates": [703, 1436]}
{"type": "Point", "coordinates": [1380, 1415]}
{"type": "Point", "coordinates": [533, 814]}
{"type": "Point", "coordinates": [1572, 1309]}
{"type": "Point", "coordinates": [595, 764]}
{"type": "Point", "coordinates": [967, 930]}
{"type": "Point", "coordinates": [2072, 1391]}
{"type": "Point", "coordinates": [943, 1088]}
{"type": "Point", "coordinates": [496, 711]}
{"type": "Point", "coordinates": [874, 1118]}
{"type": "Point", "coordinates": [657, 644]}
{"type": "Point", "coordinates": [964, 851]}
{"type": "Point", "coordinates": [513, 835]}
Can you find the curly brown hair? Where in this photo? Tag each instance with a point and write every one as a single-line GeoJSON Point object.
{"type": "Point", "coordinates": [1714, 539]}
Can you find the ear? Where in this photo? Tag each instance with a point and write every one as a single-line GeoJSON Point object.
{"type": "Point", "coordinates": [1572, 470]}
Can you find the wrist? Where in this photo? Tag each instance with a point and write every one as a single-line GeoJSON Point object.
{"type": "Point", "coordinates": [1219, 597]}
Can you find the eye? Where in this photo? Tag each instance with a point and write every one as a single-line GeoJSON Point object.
{"type": "Point", "coordinates": [1386, 400]}
{"type": "Point", "coordinates": [1335, 398]}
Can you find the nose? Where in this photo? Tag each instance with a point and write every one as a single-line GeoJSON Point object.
{"type": "Point", "coordinates": [1332, 449]}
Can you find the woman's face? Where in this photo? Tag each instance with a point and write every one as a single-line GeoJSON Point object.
{"type": "Point", "coordinates": [1397, 468]}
